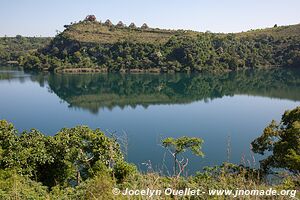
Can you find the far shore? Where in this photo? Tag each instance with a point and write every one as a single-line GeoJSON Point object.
{"type": "Point", "coordinates": [105, 70]}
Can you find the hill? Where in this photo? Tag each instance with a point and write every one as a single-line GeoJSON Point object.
{"type": "Point", "coordinates": [277, 32]}
{"type": "Point", "coordinates": [11, 48]}
{"type": "Point", "coordinates": [97, 32]}
{"type": "Point", "coordinates": [92, 46]}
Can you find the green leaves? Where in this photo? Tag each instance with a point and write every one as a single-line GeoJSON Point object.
{"type": "Point", "coordinates": [69, 157]}
{"type": "Point", "coordinates": [283, 140]}
{"type": "Point", "coordinates": [79, 148]}
{"type": "Point", "coordinates": [266, 141]}
{"type": "Point", "coordinates": [182, 144]}
{"type": "Point", "coordinates": [180, 52]}
{"type": "Point", "coordinates": [15, 186]}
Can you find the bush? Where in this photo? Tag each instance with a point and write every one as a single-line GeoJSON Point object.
{"type": "Point", "coordinates": [68, 158]}
{"type": "Point", "coordinates": [123, 170]}
{"type": "Point", "coordinates": [14, 186]}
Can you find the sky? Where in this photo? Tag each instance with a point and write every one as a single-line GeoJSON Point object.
{"type": "Point", "coordinates": [44, 17]}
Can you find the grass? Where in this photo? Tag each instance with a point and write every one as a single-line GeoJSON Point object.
{"type": "Point", "coordinates": [101, 186]}
{"type": "Point", "coordinates": [280, 31]}
{"type": "Point", "coordinates": [96, 32]}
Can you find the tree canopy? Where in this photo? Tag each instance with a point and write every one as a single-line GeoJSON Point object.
{"type": "Point", "coordinates": [69, 157]}
{"type": "Point", "coordinates": [179, 146]}
{"type": "Point", "coordinates": [282, 140]}
{"type": "Point", "coordinates": [117, 48]}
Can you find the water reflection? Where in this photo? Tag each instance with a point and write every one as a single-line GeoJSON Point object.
{"type": "Point", "coordinates": [149, 107]}
{"type": "Point", "coordinates": [93, 92]}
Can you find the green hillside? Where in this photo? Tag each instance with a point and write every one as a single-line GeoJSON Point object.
{"type": "Point", "coordinates": [92, 46]}
{"type": "Point", "coordinates": [278, 32]}
{"type": "Point", "coordinates": [12, 48]}
{"type": "Point", "coordinates": [97, 32]}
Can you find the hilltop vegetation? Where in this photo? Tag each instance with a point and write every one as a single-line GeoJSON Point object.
{"type": "Point", "coordinates": [90, 44]}
{"type": "Point", "coordinates": [106, 33]}
{"type": "Point", "coordinates": [276, 31]}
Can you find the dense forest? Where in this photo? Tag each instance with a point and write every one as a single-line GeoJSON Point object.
{"type": "Point", "coordinates": [90, 45]}
{"type": "Point", "coordinates": [81, 163]}
{"type": "Point", "coordinates": [13, 48]}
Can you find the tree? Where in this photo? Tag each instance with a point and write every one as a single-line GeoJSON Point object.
{"type": "Point", "coordinates": [24, 153]}
{"type": "Point", "coordinates": [19, 37]}
{"type": "Point", "coordinates": [76, 152]}
{"type": "Point", "coordinates": [33, 61]}
{"type": "Point", "coordinates": [15, 186]}
{"type": "Point", "coordinates": [71, 156]}
{"type": "Point", "coordinates": [283, 140]}
{"type": "Point", "coordinates": [77, 56]}
{"type": "Point", "coordinates": [180, 145]}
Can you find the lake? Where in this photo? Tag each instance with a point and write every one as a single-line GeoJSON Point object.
{"type": "Point", "coordinates": [227, 110]}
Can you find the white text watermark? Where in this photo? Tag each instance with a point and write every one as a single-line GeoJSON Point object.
{"type": "Point", "coordinates": [198, 192]}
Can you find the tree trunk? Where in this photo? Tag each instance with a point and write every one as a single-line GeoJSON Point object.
{"type": "Point", "coordinates": [78, 177]}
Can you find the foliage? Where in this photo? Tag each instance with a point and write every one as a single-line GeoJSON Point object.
{"type": "Point", "coordinates": [123, 170]}
{"type": "Point", "coordinates": [16, 48]}
{"type": "Point", "coordinates": [72, 148]}
{"type": "Point", "coordinates": [113, 48]}
{"type": "Point", "coordinates": [14, 186]}
{"type": "Point", "coordinates": [283, 140]}
{"type": "Point", "coordinates": [69, 157]}
{"type": "Point", "coordinates": [98, 187]}
{"type": "Point", "coordinates": [180, 145]}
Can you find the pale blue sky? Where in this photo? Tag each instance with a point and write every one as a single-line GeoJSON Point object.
{"type": "Point", "coordinates": [41, 17]}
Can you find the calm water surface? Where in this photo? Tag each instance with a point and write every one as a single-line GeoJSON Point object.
{"type": "Point", "coordinates": [225, 110]}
